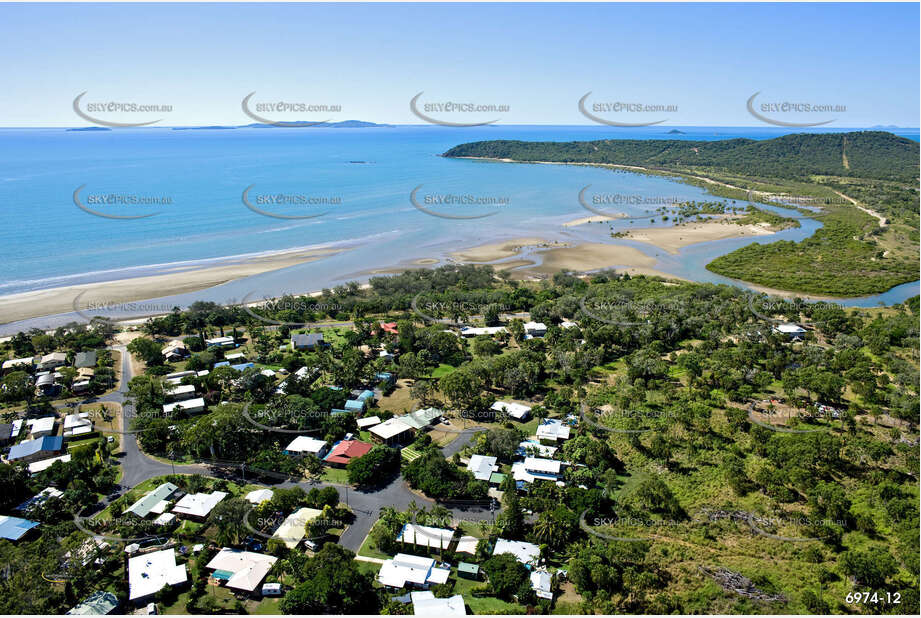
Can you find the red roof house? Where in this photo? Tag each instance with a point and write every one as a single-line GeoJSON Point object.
{"type": "Point", "coordinates": [345, 451]}
{"type": "Point", "coordinates": [390, 327]}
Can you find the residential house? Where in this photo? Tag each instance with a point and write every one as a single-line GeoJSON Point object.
{"type": "Point", "coordinates": [793, 332]}
{"type": "Point", "coordinates": [534, 448]}
{"type": "Point", "coordinates": [153, 499]}
{"type": "Point", "coordinates": [28, 451]}
{"type": "Point", "coordinates": [14, 528]}
{"type": "Point", "coordinates": [39, 498]}
{"type": "Point", "coordinates": [306, 341]}
{"type": "Point", "coordinates": [197, 506]}
{"type": "Point", "coordinates": [220, 342]}
{"type": "Point", "coordinates": [306, 445]}
{"type": "Point", "coordinates": [180, 392]}
{"type": "Point", "coordinates": [189, 406]}
{"type": "Point", "coordinates": [535, 329]}
{"type": "Point", "coordinates": [294, 528]}
{"type": "Point", "coordinates": [76, 425]}
{"type": "Point", "coordinates": [420, 419]}
{"type": "Point", "coordinates": [406, 570]}
{"type": "Point", "coordinates": [52, 361]}
{"type": "Point", "coordinates": [389, 328]}
{"type": "Point", "coordinates": [174, 351]}
{"type": "Point", "coordinates": [552, 430]}
{"type": "Point", "coordinates": [516, 411]}
{"type": "Point", "coordinates": [542, 584]}
{"type": "Point", "coordinates": [482, 467]}
{"type": "Point", "coordinates": [392, 432]}
{"type": "Point", "coordinates": [345, 451]}
{"type": "Point", "coordinates": [150, 573]}
{"type": "Point", "coordinates": [435, 538]}
{"type": "Point", "coordinates": [537, 469]}
{"type": "Point", "coordinates": [44, 464]}
{"type": "Point", "coordinates": [18, 363]}
{"type": "Point", "coordinates": [241, 570]}
{"type": "Point", "coordinates": [525, 553]}
{"type": "Point", "coordinates": [473, 331]}
{"type": "Point", "coordinates": [100, 603]}
{"type": "Point", "coordinates": [425, 604]}
{"type": "Point", "coordinates": [366, 423]}
{"type": "Point", "coordinates": [85, 360]}
{"type": "Point", "coordinates": [44, 383]}
{"type": "Point", "coordinates": [258, 496]}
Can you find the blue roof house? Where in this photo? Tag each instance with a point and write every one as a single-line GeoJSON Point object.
{"type": "Point", "coordinates": [33, 450]}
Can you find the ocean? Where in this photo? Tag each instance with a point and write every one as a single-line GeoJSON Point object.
{"type": "Point", "coordinates": [355, 184]}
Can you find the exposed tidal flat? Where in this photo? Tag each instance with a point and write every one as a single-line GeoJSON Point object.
{"type": "Point", "coordinates": [206, 244]}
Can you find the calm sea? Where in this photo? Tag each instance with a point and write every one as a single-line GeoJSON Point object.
{"type": "Point", "coordinates": [358, 181]}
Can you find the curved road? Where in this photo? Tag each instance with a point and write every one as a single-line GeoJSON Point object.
{"type": "Point", "coordinates": [366, 504]}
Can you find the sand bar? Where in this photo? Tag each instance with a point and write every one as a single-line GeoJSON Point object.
{"type": "Point", "coordinates": [501, 250]}
{"type": "Point", "coordinates": [107, 293]}
{"type": "Point", "coordinates": [594, 219]}
{"type": "Point", "coordinates": [672, 239]}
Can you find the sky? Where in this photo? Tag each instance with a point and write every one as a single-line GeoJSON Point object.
{"type": "Point", "coordinates": [704, 60]}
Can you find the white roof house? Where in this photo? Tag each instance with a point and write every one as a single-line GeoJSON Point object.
{"type": "Point", "coordinates": [259, 496]}
{"type": "Point", "coordinates": [44, 464]}
{"type": "Point", "coordinates": [220, 341]}
{"type": "Point", "coordinates": [535, 329]}
{"type": "Point", "coordinates": [525, 553]}
{"type": "Point", "coordinates": [16, 362]}
{"type": "Point", "coordinates": [472, 331]}
{"type": "Point", "coordinates": [164, 519]}
{"type": "Point", "coordinates": [150, 573]}
{"type": "Point", "coordinates": [529, 446]}
{"type": "Point", "coordinates": [293, 529]}
{"type": "Point", "coordinates": [542, 584]}
{"type": "Point", "coordinates": [306, 444]}
{"type": "Point", "coordinates": [553, 429]}
{"type": "Point", "coordinates": [40, 498]}
{"type": "Point", "coordinates": [370, 421]}
{"type": "Point", "coordinates": [405, 569]}
{"type": "Point", "coordinates": [390, 428]}
{"type": "Point", "coordinates": [567, 324]}
{"type": "Point", "coordinates": [517, 411]}
{"type": "Point", "coordinates": [192, 406]}
{"type": "Point", "coordinates": [77, 424]}
{"type": "Point", "coordinates": [433, 538]}
{"type": "Point", "coordinates": [537, 469]}
{"type": "Point", "coordinates": [41, 426]}
{"type": "Point", "coordinates": [54, 359]}
{"type": "Point", "coordinates": [791, 330]}
{"type": "Point", "coordinates": [425, 604]}
{"type": "Point", "coordinates": [181, 391]}
{"type": "Point", "coordinates": [482, 467]}
{"type": "Point", "coordinates": [198, 505]}
{"type": "Point", "coordinates": [248, 568]}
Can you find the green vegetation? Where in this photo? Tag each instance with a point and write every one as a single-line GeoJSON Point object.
{"type": "Point", "coordinates": [853, 254]}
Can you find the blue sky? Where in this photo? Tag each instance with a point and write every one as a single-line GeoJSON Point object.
{"type": "Point", "coordinates": [538, 59]}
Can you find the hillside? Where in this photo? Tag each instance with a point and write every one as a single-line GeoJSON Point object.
{"type": "Point", "coordinates": [863, 154]}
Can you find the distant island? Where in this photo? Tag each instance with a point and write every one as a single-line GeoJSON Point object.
{"type": "Point", "coordinates": [345, 124]}
{"type": "Point", "coordinates": [863, 184]}
{"type": "Point", "coordinates": [675, 132]}
{"type": "Point", "coordinates": [89, 129]}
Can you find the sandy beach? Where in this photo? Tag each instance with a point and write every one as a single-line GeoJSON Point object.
{"type": "Point", "coordinates": [501, 250]}
{"type": "Point", "coordinates": [555, 256]}
{"type": "Point", "coordinates": [672, 239]}
{"type": "Point", "coordinates": [107, 293]}
{"type": "Point", "coordinates": [593, 219]}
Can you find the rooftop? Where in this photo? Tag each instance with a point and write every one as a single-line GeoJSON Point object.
{"type": "Point", "coordinates": [525, 553]}
{"type": "Point", "coordinates": [346, 450]}
{"type": "Point", "coordinates": [198, 505]}
{"type": "Point", "coordinates": [150, 573]}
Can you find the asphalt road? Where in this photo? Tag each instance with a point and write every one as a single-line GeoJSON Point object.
{"type": "Point", "coordinates": [365, 504]}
